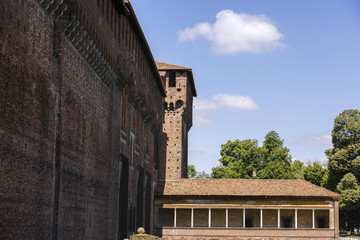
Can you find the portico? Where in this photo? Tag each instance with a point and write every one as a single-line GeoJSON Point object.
{"type": "Point", "coordinates": [249, 217]}
{"type": "Point", "coordinates": [243, 208]}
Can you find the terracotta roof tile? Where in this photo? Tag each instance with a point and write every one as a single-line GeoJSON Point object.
{"type": "Point", "coordinates": [167, 66]}
{"type": "Point", "coordinates": [246, 188]}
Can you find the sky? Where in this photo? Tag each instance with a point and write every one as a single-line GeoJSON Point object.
{"type": "Point", "coordinates": [258, 66]}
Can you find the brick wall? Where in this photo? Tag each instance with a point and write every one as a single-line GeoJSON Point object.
{"type": "Point", "coordinates": [28, 99]}
{"type": "Point", "coordinates": [177, 123]}
{"type": "Point", "coordinates": [62, 131]}
{"type": "Point", "coordinates": [241, 234]}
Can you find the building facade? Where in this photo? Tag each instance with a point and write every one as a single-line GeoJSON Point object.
{"type": "Point", "coordinates": [80, 120]}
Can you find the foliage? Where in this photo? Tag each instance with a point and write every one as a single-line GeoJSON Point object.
{"type": "Point", "coordinates": [192, 173]}
{"type": "Point", "coordinates": [316, 174]}
{"type": "Point", "coordinates": [297, 168]}
{"type": "Point", "coordinates": [347, 182]}
{"type": "Point", "coordinates": [344, 157]}
{"type": "Point", "coordinates": [240, 158]}
{"type": "Point", "coordinates": [350, 193]}
{"type": "Point", "coordinates": [344, 164]}
{"type": "Point", "coordinates": [203, 175]}
{"type": "Point", "coordinates": [276, 160]}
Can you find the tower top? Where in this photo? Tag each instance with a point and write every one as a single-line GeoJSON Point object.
{"type": "Point", "coordinates": [171, 67]}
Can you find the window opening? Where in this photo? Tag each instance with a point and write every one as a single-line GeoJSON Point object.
{"type": "Point", "coordinates": [248, 222]}
{"type": "Point", "coordinates": [172, 79]}
{"type": "Point", "coordinates": [287, 222]}
{"type": "Point", "coordinates": [124, 107]}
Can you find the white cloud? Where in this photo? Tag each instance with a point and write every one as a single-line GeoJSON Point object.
{"type": "Point", "coordinates": [222, 100]}
{"type": "Point", "coordinates": [314, 139]}
{"type": "Point", "coordinates": [201, 118]}
{"type": "Point", "coordinates": [236, 32]}
{"type": "Point", "coordinates": [197, 152]}
{"type": "Point", "coordinates": [235, 101]}
{"type": "Point", "coordinates": [204, 104]}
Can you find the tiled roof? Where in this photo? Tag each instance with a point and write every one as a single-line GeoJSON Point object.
{"type": "Point", "coordinates": [166, 66]}
{"type": "Point", "coordinates": [245, 188]}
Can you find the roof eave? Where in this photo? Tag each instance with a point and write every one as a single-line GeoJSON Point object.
{"type": "Point", "coordinates": [335, 198]}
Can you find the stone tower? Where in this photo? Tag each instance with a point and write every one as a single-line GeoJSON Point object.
{"type": "Point", "coordinates": [180, 90]}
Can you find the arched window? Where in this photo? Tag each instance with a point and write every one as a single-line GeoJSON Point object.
{"type": "Point", "coordinates": [179, 104]}
{"type": "Point", "coordinates": [171, 107]}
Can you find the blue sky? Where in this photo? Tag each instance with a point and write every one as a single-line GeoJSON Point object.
{"type": "Point", "coordinates": [259, 65]}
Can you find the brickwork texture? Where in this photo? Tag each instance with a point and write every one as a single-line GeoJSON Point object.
{"type": "Point", "coordinates": [80, 101]}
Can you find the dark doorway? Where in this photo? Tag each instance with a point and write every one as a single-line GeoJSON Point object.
{"type": "Point", "coordinates": [123, 197]}
{"type": "Point", "coordinates": [287, 222]}
{"type": "Point", "coordinates": [140, 198]}
{"type": "Point", "coordinates": [148, 202]}
{"type": "Point", "coordinates": [248, 222]}
{"type": "Point", "coordinates": [321, 223]}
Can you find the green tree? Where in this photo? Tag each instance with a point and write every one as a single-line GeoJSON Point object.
{"type": "Point", "coordinates": [238, 159]}
{"type": "Point", "coordinates": [203, 175]}
{"type": "Point", "coordinates": [349, 203]}
{"type": "Point", "coordinates": [297, 168]}
{"type": "Point", "coordinates": [191, 172]}
{"type": "Point", "coordinates": [344, 157]}
{"type": "Point", "coordinates": [315, 174]}
{"type": "Point", "coordinates": [344, 165]}
{"type": "Point", "coordinates": [276, 160]}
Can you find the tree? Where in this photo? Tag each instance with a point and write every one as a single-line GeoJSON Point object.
{"type": "Point", "coordinates": [297, 168]}
{"type": "Point", "coordinates": [191, 172]}
{"type": "Point", "coordinates": [276, 160]}
{"type": "Point", "coordinates": [203, 175]}
{"type": "Point", "coordinates": [349, 203]}
{"type": "Point", "coordinates": [344, 157]}
{"type": "Point", "coordinates": [347, 182]}
{"type": "Point", "coordinates": [344, 165]}
{"type": "Point", "coordinates": [315, 174]}
{"type": "Point", "coordinates": [240, 158]}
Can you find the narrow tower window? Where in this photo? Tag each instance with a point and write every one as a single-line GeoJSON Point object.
{"type": "Point", "coordinates": [172, 79]}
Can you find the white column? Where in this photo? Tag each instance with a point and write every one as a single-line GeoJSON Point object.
{"type": "Point", "coordinates": [279, 218]}
{"type": "Point", "coordinates": [296, 218]}
{"type": "Point", "coordinates": [192, 217]}
{"type": "Point", "coordinates": [261, 218]}
{"type": "Point", "coordinates": [209, 217]}
{"type": "Point", "coordinates": [227, 218]}
{"type": "Point", "coordinates": [244, 217]}
{"type": "Point", "coordinates": [174, 217]}
{"type": "Point", "coordinates": [313, 218]}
